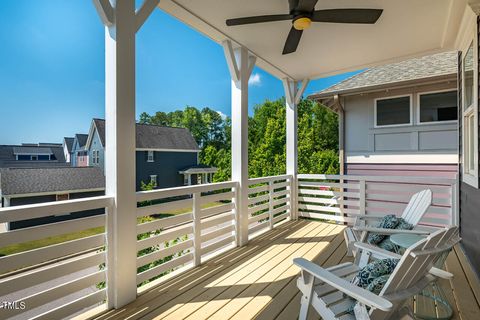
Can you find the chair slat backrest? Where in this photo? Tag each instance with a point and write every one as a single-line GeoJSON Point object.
{"type": "Point", "coordinates": [417, 206]}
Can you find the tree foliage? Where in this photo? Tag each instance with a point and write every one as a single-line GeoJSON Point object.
{"type": "Point", "coordinates": [317, 137]}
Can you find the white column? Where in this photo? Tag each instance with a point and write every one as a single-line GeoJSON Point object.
{"type": "Point", "coordinates": [241, 65]}
{"type": "Point", "coordinates": [122, 21]}
{"type": "Point", "coordinates": [293, 94]}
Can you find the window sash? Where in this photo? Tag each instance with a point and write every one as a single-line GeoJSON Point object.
{"type": "Point", "coordinates": [409, 123]}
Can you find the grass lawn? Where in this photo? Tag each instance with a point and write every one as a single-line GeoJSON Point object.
{"type": "Point", "coordinates": [30, 245]}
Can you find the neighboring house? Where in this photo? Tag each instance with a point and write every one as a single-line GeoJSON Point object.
{"type": "Point", "coordinates": [79, 154]}
{"type": "Point", "coordinates": [29, 155]}
{"type": "Point", "coordinates": [21, 186]}
{"type": "Point", "coordinates": [399, 119]}
{"type": "Point", "coordinates": [163, 154]}
{"type": "Point", "coordinates": [67, 148]}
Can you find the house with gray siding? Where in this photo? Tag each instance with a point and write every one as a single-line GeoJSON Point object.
{"type": "Point", "coordinates": [32, 155]}
{"type": "Point", "coordinates": [22, 186]}
{"type": "Point", "coordinates": [79, 156]}
{"type": "Point", "coordinates": [399, 119]}
{"type": "Point", "coordinates": [67, 148]}
{"type": "Point", "coordinates": [163, 155]}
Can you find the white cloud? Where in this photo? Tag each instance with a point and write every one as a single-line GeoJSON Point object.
{"type": "Point", "coordinates": [223, 115]}
{"type": "Point", "coordinates": [255, 80]}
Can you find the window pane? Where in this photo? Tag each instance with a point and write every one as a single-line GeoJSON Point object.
{"type": "Point", "coordinates": [471, 144]}
{"type": "Point", "coordinates": [393, 111]}
{"type": "Point", "coordinates": [438, 106]}
{"type": "Point", "coordinates": [43, 157]}
{"type": "Point", "coordinates": [468, 77]}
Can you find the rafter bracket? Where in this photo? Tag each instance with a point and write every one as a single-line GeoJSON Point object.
{"type": "Point", "coordinates": [144, 12]}
{"type": "Point", "coordinates": [233, 60]}
{"type": "Point", "coordinates": [293, 94]}
{"type": "Point", "coordinates": [105, 12]}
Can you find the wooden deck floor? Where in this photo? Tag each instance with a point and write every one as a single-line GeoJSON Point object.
{"type": "Point", "coordinates": [258, 281]}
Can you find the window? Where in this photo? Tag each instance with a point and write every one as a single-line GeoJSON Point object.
{"type": "Point", "coordinates": [43, 157]}
{"type": "Point", "coordinates": [34, 158]}
{"type": "Point", "coordinates": [470, 120]}
{"type": "Point", "coordinates": [153, 180]}
{"type": "Point", "coordinates": [96, 157]}
{"type": "Point", "coordinates": [63, 197]}
{"type": "Point", "coordinates": [394, 111]}
{"type": "Point", "coordinates": [437, 107]}
{"type": "Point", "coordinates": [150, 156]}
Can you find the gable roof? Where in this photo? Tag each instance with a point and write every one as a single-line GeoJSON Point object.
{"type": "Point", "coordinates": [153, 137]}
{"type": "Point", "coordinates": [8, 156]}
{"type": "Point", "coordinates": [16, 181]}
{"type": "Point", "coordinates": [82, 139]}
{"type": "Point", "coordinates": [428, 67]}
{"type": "Point", "coordinates": [69, 143]}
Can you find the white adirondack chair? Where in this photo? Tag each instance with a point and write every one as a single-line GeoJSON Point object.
{"type": "Point", "coordinates": [331, 294]}
{"type": "Point", "coordinates": [413, 213]}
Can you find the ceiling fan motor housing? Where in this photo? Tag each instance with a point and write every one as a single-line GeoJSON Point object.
{"type": "Point", "coordinates": [302, 22]}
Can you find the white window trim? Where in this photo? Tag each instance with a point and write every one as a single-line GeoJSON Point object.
{"type": "Point", "coordinates": [418, 122]}
{"type": "Point", "coordinates": [393, 125]}
{"type": "Point", "coordinates": [467, 177]}
{"type": "Point", "coordinates": [150, 152]}
{"type": "Point", "coordinates": [153, 178]}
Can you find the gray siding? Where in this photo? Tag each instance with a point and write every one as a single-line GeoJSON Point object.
{"type": "Point", "coordinates": [469, 196]}
{"type": "Point", "coordinates": [166, 166]}
{"type": "Point", "coordinates": [52, 219]}
{"type": "Point", "coordinates": [363, 139]}
{"type": "Point", "coordinates": [96, 144]}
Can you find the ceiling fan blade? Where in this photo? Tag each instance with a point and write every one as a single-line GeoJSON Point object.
{"type": "Point", "coordinates": [258, 19]}
{"type": "Point", "coordinates": [306, 5]}
{"type": "Point", "coordinates": [369, 16]}
{"type": "Point", "coordinates": [293, 40]}
{"type": "Point", "coordinates": [292, 4]}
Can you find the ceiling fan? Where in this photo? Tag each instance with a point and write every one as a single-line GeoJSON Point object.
{"type": "Point", "coordinates": [303, 13]}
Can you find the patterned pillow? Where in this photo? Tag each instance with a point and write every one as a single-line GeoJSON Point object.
{"type": "Point", "coordinates": [388, 245]}
{"type": "Point", "coordinates": [388, 222]}
{"type": "Point", "coordinates": [377, 284]}
{"type": "Point", "coordinates": [374, 270]}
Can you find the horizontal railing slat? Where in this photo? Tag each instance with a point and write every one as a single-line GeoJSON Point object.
{"type": "Point", "coordinates": [39, 210]}
{"type": "Point", "coordinates": [40, 255]}
{"type": "Point", "coordinates": [50, 230]}
{"type": "Point", "coordinates": [164, 223]}
{"type": "Point", "coordinates": [217, 220]}
{"type": "Point", "coordinates": [268, 179]}
{"type": "Point", "coordinates": [165, 252]}
{"type": "Point", "coordinates": [217, 245]}
{"type": "Point", "coordinates": [217, 233]}
{"type": "Point", "coordinates": [32, 278]}
{"type": "Point", "coordinates": [164, 208]}
{"type": "Point", "coordinates": [156, 271]}
{"type": "Point", "coordinates": [258, 208]}
{"type": "Point", "coordinates": [208, 212]}
{"type": "Point", "coordinates": [224, 196]}
{"type": "Point", "coordinates": [164, 236]}
{"type": "Point", "coordinates": [256, 218]}
{"type": "Point", "coordinates": [181, 191]}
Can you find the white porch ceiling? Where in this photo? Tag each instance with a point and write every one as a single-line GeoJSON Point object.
{"type": "Point", "coordinates": [407, 28]}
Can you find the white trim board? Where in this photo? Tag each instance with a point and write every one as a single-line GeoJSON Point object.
{"type": "Point", "coordinates": [49, 193]}
{"type": "Point", "coordinates": [167, 150]}
{"type": "Point", "coordinates": [404, 158]}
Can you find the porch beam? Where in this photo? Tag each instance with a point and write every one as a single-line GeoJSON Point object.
{"type": "Point", "coordinates": [240, 64]}
{"type": "Point", "coordinates": [121, 24]}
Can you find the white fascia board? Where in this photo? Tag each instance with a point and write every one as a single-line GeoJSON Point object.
{"type": "Point", "coordinates": [430, 158]}
{"type": "Point", "coordinates": [168, 150]}
{"type": "Point", "coordinates": [37, 194]}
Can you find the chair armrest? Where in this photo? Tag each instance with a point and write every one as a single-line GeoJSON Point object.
{"type": "Point", "coordinates": [390, 231]}
{"type": "Point", "coordinates": [361, 295]}
{"type": "Point", "coordinates": [441, 273]}
{"type": "Point", "coordinates": [376, 251]}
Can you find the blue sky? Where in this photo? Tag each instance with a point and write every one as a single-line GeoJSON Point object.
{"type": "Point", "coordinates": [52, 70]}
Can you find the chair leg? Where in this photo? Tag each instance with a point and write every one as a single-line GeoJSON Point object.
{"type": "Point", "coordinates": [306, 299]}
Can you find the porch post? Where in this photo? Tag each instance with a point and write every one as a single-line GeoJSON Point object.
{"type": "Point", "coordinates": [293, 95]}
{"type": "Point", "coordinates": [240, 64]}
{"type": "Point", "coordinates": [122, 21]}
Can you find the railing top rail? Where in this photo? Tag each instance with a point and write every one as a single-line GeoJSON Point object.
{"type": "Point", "coordinates": [179, 191]}
{"type": "Point", "coordinates": [38, 210]}
{"type": "Point", "coordinates": [270, 178]}
{"type": "Point", "coordinates": [400, 179]}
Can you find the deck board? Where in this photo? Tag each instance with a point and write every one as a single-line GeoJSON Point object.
{"type": "Point", "coordinates": [258, 281]}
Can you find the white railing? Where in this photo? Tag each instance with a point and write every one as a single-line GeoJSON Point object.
{"type": "Point", "coordinates": [269, 202]}
{"type": "Point", "coordinates": [182, 227]}
{"type": "Point", "coordinates": [343, 197]}
{"type": "Point", "coordinates": [64, 273]}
